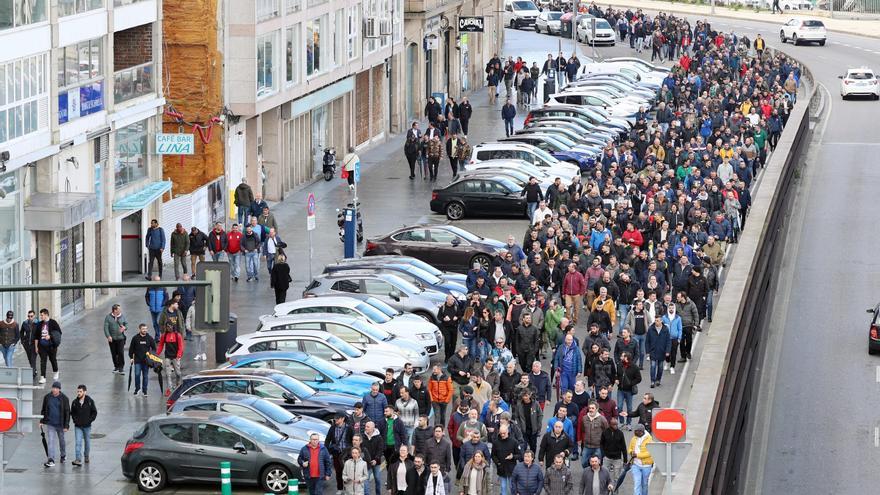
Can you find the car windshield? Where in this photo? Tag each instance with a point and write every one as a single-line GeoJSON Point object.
{"type": "Point", "coordinates": [813, 24]}
{"type": "Point", "coordinates": [372, 313]}
{"type": "Point", "coordinates": [509, 184]}
{"type": "Point", "coordinates": [275, 412]}
{"type": "Point", "coordinates": [344, 347]}
{"type": "Point", "coordinates": [255, 431]}
{"type": "Point", "coordinates": [383, 307]}
{"type": "Point", "coordinates": [464, 233]}
{"type": "Point", "coordinates": [326, 367]}
{"type": "Point", "coordinates": [420, 274]}
{"type": "Point", "coordinates": [543, 155]}
{"type": "Point", "coordinates": [372, 331]}
{"type": "Point", "coordinates": [424, 266]}
{"type": "Point", "coordinates": [554, 16]}
{"type": "Point", "coordinates": [523, 5]}
{"type": "Point", "coordinates": [860, 75]}
{"type": "Point", "coordinates": [401, 284]}
{"type": "Point", "coordinates": [296, 387]}
{"type": "Point", "coordinates": [602, 24]}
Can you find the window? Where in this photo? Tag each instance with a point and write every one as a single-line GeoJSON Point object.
{"type": "Point", "coordinates": [416, 235]}
{"type": "Point", "coordinates": [16, 13]}
{"type": "Point", "coordinates": [371, 9]}
{"type": "Point", "coordinates": [255, 365]}
{"type": "Point", "coordinates": [378, 287]}
{"type": "Point", "coordinates": [204, 388]}
{"type": "Point", "coordinates": [207, 406]}
{"type": "Point", "coordinates": [314, 3]}
{"type": "Point", "coordinates": [263, 346]}
{"type": "Point", "coordinates": [345, 333]}
{"type": "Point", "coordinates": [122, 3]}
{"type": "Point", "coordinates": [318, 349]}
{"type": "Point", "coordinates": [243, 412]}
{"type": "Point", "coordinates": [306, 326]}
{"type": "Point", "coordinates": [442, 236]}
{"type": "Point", "coordinates": [291, 6]}
{"type": "Point", "coordinates": [177, 432]}
{"type": "Point", "coordinates": [287, 345]}
{"type": "Point", "coordinates": [266, 83]}
{"type": "Point", "coordinates": [397, 21]}
{"type": "Point", "coordinates": [297, 370]}
{"type": "Point", "coordinates": [267, 9]}
{"type": "Point", "coordinates": [131, 154]}
{"type": "Point", "coordinates": [347, 286]}
{"type": "Point", "coordinates": [472, 187]}
{"type": "Point", "coordinates": [79, 63]}
{"type": "Point", "coordinates": [71, 7]}
{"type": "Point", "coordinates": [24, 90]}
{"type": "Point", "coordinates": [291, 54]}
{"type": "Point", "coordinates": [314, 55]}
{"type": "Point", "coordinates": [217, 436]}
{"type": "Point", "coordinates": [235, 386]}
{"type": "Point", "coordinates": [354, 26]}
{"type": "Point", "coordinates": [10, 223]}
{"type": "Point", "coordinates": [384, 18]}
{"type": "Point", "coordinates": [268, 390]}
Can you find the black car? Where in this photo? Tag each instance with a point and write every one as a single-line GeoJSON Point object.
{"type": "Point", "coordinates": [189, 447]}
{"type": "Point", "coordinates": [446, 247]}
{"type": "Point", "coordinates": [272, 385]}
{"type": "Point", "coordinates": [498, 196]}
{"type": "Point", "coordinates": [874, 330]}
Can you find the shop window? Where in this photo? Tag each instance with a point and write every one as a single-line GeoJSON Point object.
{"type": "Point", "coordinates": [10, 218]}
{"type": "Point", "coordinates": [17, 13]}
{"type": "Point", "coordinates": [266, 55]}
{"type": "Point", "coordinates": [131, 154]}
{"type": "Point", "coordinates": [80, 79]}
{"type": "Point", "coordinates": [71, 7]}
{"type": "Point", "coordinates": [24, 90]}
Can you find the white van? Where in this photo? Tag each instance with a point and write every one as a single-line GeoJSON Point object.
{"type": "Point", "coordinates": [520, 13]}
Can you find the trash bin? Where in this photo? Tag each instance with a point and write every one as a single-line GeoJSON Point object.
{"type": "Point", "coordinates": [565, 28]}
{"type": "Point", "coordinates": [549, 86]}
{"type": "Point", "coordinates": [224, 340]}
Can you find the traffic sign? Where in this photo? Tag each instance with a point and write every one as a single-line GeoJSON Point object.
{"type": "Point", "coordinates": [357, 171]}
{"type": "Point", "coordinates": [8, 415]}
{"type": "Point", "coordinates": [668, 425]}
{"type": "Point", "coordinates": [310, 212]}
{"type": "Point", "coordinates": [668, 457]}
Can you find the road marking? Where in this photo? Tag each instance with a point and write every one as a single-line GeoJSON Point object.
{"type": "Point", "coordinates": [877, 436]}
{"type": "Point", "coordinates": [668, 425]}
{"type": "Point", "coordinates": [878, 374]}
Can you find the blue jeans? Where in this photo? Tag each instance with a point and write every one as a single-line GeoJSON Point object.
{"type": "Point", "coordinates": [8, 351]}
{"type": "Point", "coordinates": [589, 452]}
{"type": "Point", "coordinates": [709, 298]}
{"type": "Point", "coordinates": [270, 262]}
{"type": "Point", "coordinates": [83, 440]}
{"type": "Point", "coordinates": [155, 318]}
{"type": "Point", "coordinates": [376, 474]}
{"type": "Point", "coordinates": [505, 486]}
{"type": "Point", "coordinates": [56, 443]}
{"type": "Point", "coordinates": [624, 398]}
{"type": "Point", "coordinates": [566, 381]}
{"type": "Point", "coordinates": [471, 344]}
{"type": "Point", "coordinates": [532, 207]}
{"type": "Point", "coordinates": [641, 475]}
{"type": "Point", "coordinates": [235, 264]}
{"type": "Point", "coordinates": [252, 264]}
{"type": "Point", "coordinates": [508, 126]}
{"type": "Point", "coordinates": [624, 311]}
{"type": "Point", "coordinates": [640, 340]}
{"type": "Point", "coordinates": [656, 369]}
{"type": "Point", "coordinates": [316, 486]}
{"type": "Point", "coordinates": [216, 256]}
{"type": "Point", "coordinates": [243, 214]}
{"type": "Point", "coordinates": [141, 370]}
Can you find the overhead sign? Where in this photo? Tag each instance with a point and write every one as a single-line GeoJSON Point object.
{"type": "Point", "coordinates": [310, 212]}
{"type": "Point", "coordinates": [175, 144]}
{"type": "Point", "coordinates": [471, 24]}
{"type": "Point", "coordinates": [8, 415]}
{"type": "Point", "coordinates": [432, 24]}
{"type": "Point", "coordinates": [668, 425]}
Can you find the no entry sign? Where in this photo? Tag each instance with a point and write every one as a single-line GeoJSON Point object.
{"type": "Point", "coordinates": [668, 425]}
{"type": "Point", "coordinates": [8, 415]}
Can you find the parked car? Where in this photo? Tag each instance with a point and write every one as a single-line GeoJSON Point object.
{"type": "Point", "coordinates": [590, 115]}
{"type": "Point", "coordinates": [484, 196]}
{"type": "Point", "coordinates": [550, 165]}
{"type": "Point", "coordinates": [406, 271]}
{"type": "Point", "coordinates": [444, 246]}
{"type": "Point", "coordinates": [519, 13]}
{"type": "Point", "coordinates": [803, 31]}
{"type": "Point", "coordinates": [259, 410]}
{"type": "Point", "coordinates": [650, 79]}
{"type": "Point", "coordinates": [519, 166]}
{"type": "Point", "coordinates": [322, 345]}
{"type": "Point", "coordinates": [859, 82]}
{"type": "Point", "coordinates": [275, 386]}
{"type": "Point", "coordinates": [451, 276]}
{"type": "Point", "coordinates": [588, 96]}
{"type": "Point", "coordinates": [604, 32]}
{"type": "Point", "coordinates": [320, 374]}
{"type": "Point", "coordinates": [516, 176]}
{"type": "Point", "coordinates": [874, 330]}
{"type": "Point", "coordinates": [356, 331]}
{"type": "Point", "coordinates": [559, 147]}
{"type": "Point", "coordinates": [188, 447]}
{"type": "Point", "coordinates": [388, 288]}
{"type": "Point", "coordinates": [549, 22]}
{"type": "Point", "coordinates": [639, 61]}
{"type": "Point", "coordinates": [373, 310]}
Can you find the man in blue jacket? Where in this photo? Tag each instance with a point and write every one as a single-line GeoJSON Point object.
{"type": "Point", "coordinates": [527, 479]}
{"type": "Point", "coordinates": [156, 298]}
{"type": "Point", "coordinates": [508, 112]}
{"type": "Point", "coordinates": [673, 322]}
{"type": "Point", "coordinates": [568, 363]}
{"type": "Point", "coordinates": [155, 243]}
{"type": "Point", "coordinates": [657, 348]}
{"type": "Point", "coordinates": [316, 464]}
{"type": "Point", "coordinates": [374, 404]}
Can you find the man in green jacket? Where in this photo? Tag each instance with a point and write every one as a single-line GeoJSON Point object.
{"type": "Point", "coordinates": [114, 331]}
{"type": "Point", "coordinates": [179, 248]}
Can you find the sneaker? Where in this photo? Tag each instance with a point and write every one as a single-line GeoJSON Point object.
{"type": "Point", "coordinates": [77, 463]}
{"type": "Point", "coordinates": [682, 360]}
{"type": "Point", "coordinates": [653, 384]}
{"type": "Point", "coordinates": [56, 375]}
{"type": "Point", "coordinates": [63, 458]}
{"type": "Point", "coordinates": [87, 459]}
{"type": "Point", "coordinates": [49, 463]}
{"type": "Point", "coordinates": [204, 357]}
{"type": "Point", "coordinates": [658, 384]}
{"type": "Point", "coordinates": [145, 395]}
{"type": "Point", "coordinates": [665, 366]}
{"type": "Point", "coordinates": [136, 392]}
{"type": "Point", "coordinates": [42, 381]}
{"type": "Point", "coordinates": [672, 371]}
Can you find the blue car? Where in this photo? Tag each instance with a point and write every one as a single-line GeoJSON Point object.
{"type": "Point", "coordinates": [319, 374]}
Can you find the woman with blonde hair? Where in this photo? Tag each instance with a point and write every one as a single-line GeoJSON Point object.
{"type": "Point", "coordinates": [280, 279]}
{"type": "Point", "coordinates": [475, 476]}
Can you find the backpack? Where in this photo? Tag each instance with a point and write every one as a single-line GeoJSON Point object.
{"type": "Point", "coordinates": [464, 151]}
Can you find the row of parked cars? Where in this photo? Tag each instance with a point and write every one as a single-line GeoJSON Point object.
{"type": "Point", "coordinates": [305, 364]}
{"type": "Point", "coordinates": [562, 138]}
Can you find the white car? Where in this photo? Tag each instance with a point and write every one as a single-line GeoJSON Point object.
{"type": "Point", "coordinates": [519, 13]}
{"type": "Point", "coordinates": [549, 22]}
{"type": "Point", "coordinates": [803, 30]}
{"type": "Point", "coordinates": [604, 32]}
{"type": "Point", "coordinates": [322, 345]}
{"type": "Point", "coordinates": [532, 154]}
{"type": "Point", "coordinates": [861, 82]}
{"type": "Point", "coordinates": [635, 71]}
{"type": "Point", "coordinates": [587, 96]}
{"type": "Point", "coordinates": [406, 325]}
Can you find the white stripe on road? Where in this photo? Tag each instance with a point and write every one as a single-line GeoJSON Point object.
{"type": "Point", "coordinates": [878, 374]}
{"type": "Point", "coordinates": [8, 414]}
{"type": "Point", "coordinates": [668, 425]}
{"type": "Point", "coordinates": [877, 436]}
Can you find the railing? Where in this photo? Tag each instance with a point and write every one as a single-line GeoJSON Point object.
{"type": "Point", "coordinates": [133, 82]}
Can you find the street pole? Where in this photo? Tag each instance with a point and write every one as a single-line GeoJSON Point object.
{"type": "Point", "coordinates": [2, 463]}
{"type": "Point", "coordinates": [310, 255]}
{"type": "Point", "coordinates": [713, 6]}
{"type": "Point", "coordinates": [668, 464]}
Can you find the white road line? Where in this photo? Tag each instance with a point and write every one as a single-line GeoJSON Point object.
{"type": "Point", "coordinates": [878, 374]}
{"type": "Point", "coordinates": [877, 436]}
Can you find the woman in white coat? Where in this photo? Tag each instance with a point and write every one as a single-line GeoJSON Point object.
{"type": "Point", "coordinates": [355, 473]}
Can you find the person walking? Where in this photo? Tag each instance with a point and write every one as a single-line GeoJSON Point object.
{"type": "Point", "coordinates": [46, 343]}
{"type": "Point", "coordinates": [155, 244]}
{"type": "Point", "coordinates": [338, 441]}
{"type": "Point", "coordinates": [198, 243]}
{"type": "Point", "coordinates": [179, 250]}
{"type": "Point", "coordinates": [83, 413]}
{"type": "Point", "coordinates": [172, 343]}
{"type": "Point", "coordinates": [156, 299]}
{"type": "Point", "coordinates": [9, 337]}
{"type": "Point", "coordinates": [55, 422]}
{"type": "Point", "coordinates": [233, 251]}
{"type": "Point", "coordinates": [187, 296]}
{"type": "Point", "coordinates": [642, 462]}
{"type": "Point", "coordinates": [452, 149]}
{"type": "Point", "coordinates": [316, 464]}
{"type": "Point", "coordinates": [349, 163]}
{"type": "Point", "coordinates": [114, 331]}
{"type": "Point", "coordinates": [657, 348]}
{"type": "Point", "coordinates": [280, 279]}
{"type": "Point", "coordinates": [476, 475]}
{"type": "Point", "coordinates": [465, 111]}
{"type": "Point", "coordinates": [140, 345]}
{"type": "Point", "coordinates": [508, 112]}
{"type": "Point", "coordinates": [567, 363]}
{"type": "Point", "coordinates": [257, 207]}
{"type": "Point", "coordinates": [355, 473]}
{"type": "Point", "coordinates": [440, 393]}
{"type": "Point", "coordinates": [433, 150]}
{"type": "Point", "coordinates": [402, 478]}
{"type": "Point", "coordinates": [28, 333]}
{"type": "Point", "coordinates": [217, 242]}
{"type": "Point", "coordinates": [527, 478]}
{"type": "Point", "coordinates": [492, 83]}
{"type": "Point", "coordinates": [250, 245]}
{"type": "Point", "coordinates": [596, 479]}
{"type": "Point", "coordinates": [574, 286]}
{"type": "Point", "coordinates": [673, 322]}
{"type": "Point", "coordinates": [243, 197]}
{"type": "Point", "coordinates": [273, 246]}
{"type": "Point", "coordinates": [411, 148]}
{"type": "Point", "coordinates": [199, 337]}
{"type": "Point", "coordinates": [558, 478]}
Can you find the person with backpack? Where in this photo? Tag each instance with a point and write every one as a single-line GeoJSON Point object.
{"type": "Point", "coordinates": [47, 341]}
{"type": "Point", "coordinates": [156, 298]}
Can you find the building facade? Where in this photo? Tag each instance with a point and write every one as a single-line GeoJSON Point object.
{"type": "Point", "coordinates": [78, 179]}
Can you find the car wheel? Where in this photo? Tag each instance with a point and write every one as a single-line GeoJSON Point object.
{"type": "Point", "coordinates": [822, 43]}
{"type": "Point", "coordinates": [275, 478]}
{"type": "Point", "coordinates": [512, 24]}
{"type": "Point", "coordinates": [455, 211]}
{"type": "Point", "coordinates": [483, 260]}
{"type": "Point", "coordinates": [794, 39]}
{"type": "Point", "coordinates": [150, 477]}
{"type": "Point", "coordinates": [782, 36]}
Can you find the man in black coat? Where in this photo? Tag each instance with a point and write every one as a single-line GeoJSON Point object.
{"type": "Point", "coordinates": [465, 110]}
{"type": "Point", "coordinates": [83, 412]}
{"type": "Point", "coordinates": [55, 422]}
{"type": "Point", "coordinates": [338, 441]}
{"type": "Point", "coordinates": [505, 454]}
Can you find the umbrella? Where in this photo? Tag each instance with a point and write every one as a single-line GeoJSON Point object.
{"type": "Point", "coordinates": [45, 445]}
{"type": "Point", "coordinates": [129, 376]}
{"type": "Point", "coordinates": [626, 468]}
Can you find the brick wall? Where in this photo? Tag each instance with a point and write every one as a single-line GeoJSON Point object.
{"type": "Point", "coordinates": [132, 47]}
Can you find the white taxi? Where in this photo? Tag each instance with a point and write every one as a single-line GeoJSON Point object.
{"type": "Point", "coordinates": [861, 81]}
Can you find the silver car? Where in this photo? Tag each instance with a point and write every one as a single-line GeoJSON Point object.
{"type": "Point", "coordinates": [390, 289]}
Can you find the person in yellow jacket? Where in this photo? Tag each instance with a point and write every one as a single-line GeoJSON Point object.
{"type": "Point", "coordinates": [642, 462]}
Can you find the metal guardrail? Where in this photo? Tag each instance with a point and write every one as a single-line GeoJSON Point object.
{"type": "Point", "coordinates": [738, 328]}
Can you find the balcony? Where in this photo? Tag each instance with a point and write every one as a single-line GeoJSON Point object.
{"type": "Point", "coordinates": [133, 82]}
{"type": "Point", "coordinates": [419, 6]}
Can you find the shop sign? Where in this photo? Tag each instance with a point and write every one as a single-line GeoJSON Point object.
{"type": "Point", "coordinates": [81, 101]}
{"type": "Point", "coordinates": [471, 24]}
{"type": "Point", "coordinates": [175, 144]}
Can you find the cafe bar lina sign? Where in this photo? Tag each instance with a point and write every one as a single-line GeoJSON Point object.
{"type": "Point", "coordinates": [470, 24]}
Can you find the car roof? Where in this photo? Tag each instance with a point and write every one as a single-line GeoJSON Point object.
{"type": "Point", "coordinates": [216, 397]}
{"type": "Point", "coordinates": [313, 334]}
{"type": "Point", "coordinates": [240, 372]}
{"type": "Point", "coordinates": [496, 144]}
{"type": "Point", "coordinates": [259, 356]}
{"type": "Point", "coordinates": [308, 302]}
{"type": "Point", "coordinates": [189, 416]}
{"type": "Point", "coordinates": [308, 317]}
{"type": "Point", "coordinates": [365, 272]}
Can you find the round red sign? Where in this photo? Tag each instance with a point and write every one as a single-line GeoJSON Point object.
{"type": "Point", "coordinates": [8, 415]}
{"type": "Point", "coordinates": [668, 425]}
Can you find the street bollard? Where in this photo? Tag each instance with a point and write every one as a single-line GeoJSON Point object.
{"type": "Point", "coordinates": [293, 487]}
{"type": "Point", "coordinates": [225, 478]}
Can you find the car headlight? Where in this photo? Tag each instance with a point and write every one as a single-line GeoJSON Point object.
{"type": "Point", "coordinates": [294, 456]}
{"type": "Point", "coordinates": [425, 336]}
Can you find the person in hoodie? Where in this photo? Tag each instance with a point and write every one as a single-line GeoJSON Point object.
{"type": "Point", "coordinates": [172, 343]}
{"type": "Point", "coordinates": [674, 323]}
{"type": "Point", "coordinates": [140, 345]}
{"type": "Point", "coordinates": [217, 242]}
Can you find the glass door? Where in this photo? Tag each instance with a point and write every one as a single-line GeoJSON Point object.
{"type": "Point", "coordinates": [319, 136]}
{"type": "Point", "coordinates": [72, 269]}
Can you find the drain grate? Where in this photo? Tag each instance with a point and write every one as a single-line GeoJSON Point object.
{"type": "Point", "coordinates": [97, 436]}
{"type": "Point", "coordinates": [71, 359]}
{"type": "Point", "coordinates": [392, 178]}
{"type": "Point", "coordinates": [16, 470]}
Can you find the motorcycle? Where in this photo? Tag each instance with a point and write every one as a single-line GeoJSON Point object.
{"type": "Point", "coordinates": [329, 168]}
{"type": "Point", "coordinates": [340, 221]}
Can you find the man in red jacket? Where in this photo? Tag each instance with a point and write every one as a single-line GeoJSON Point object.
{"type": "Point", "coordinates": [172, 343]}
{"type": "Point", "coordinates": [573, 288]}
{"type": "Point", "coordinates": [233, 250]}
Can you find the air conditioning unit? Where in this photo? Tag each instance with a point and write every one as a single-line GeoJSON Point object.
{"type": "Point", "coordinates": [385, 27]}
{"type": "Point", "coordinates": [371, 30]}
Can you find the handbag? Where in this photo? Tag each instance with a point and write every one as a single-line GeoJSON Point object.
{"type": "Point", "coordinates": [344, 173]}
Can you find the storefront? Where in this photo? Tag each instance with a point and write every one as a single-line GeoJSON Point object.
{"type": "Point", "coordinates": [12, 236]}
{"type": "Point", "coordinates": [71, 262]}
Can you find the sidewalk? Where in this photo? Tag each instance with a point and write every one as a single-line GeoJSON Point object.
{"type": "Point", "coordinates": [869, 28]}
